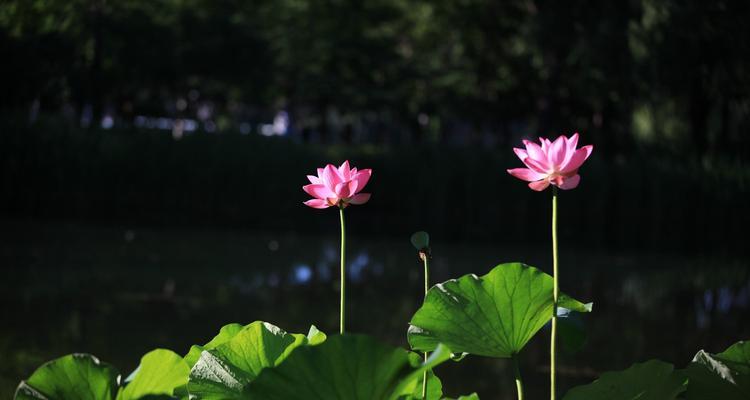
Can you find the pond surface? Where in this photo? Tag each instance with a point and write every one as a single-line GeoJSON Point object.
{"type": "Point", "coordinates": [118, 292]}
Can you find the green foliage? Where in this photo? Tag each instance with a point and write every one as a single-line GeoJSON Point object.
{"type": "Point", "coordinates": [348, 367]}
{"type": "Point", "coordinates": [82, 376]}
{"type": "Point", "coordinates": [261, 361]}
{"type": "Point", "coordinates": [652, 380]}
{"type": "Point", "coordinates": [720, 376]}
{"type": "Point", "coordinates": [494, 315]}
{"type": "Point", "coordinates": [161, 372]}
{"type": "Point", "coordinates": [221, 368]}
{"type": "Point", "coordinates": [225, 371]}
{"type": "Point", "coordinates": [225, 334]}
{"type": "Point", "coordinates": [709, 376]}
{"type": "Point", "coordinates": [75, 376]}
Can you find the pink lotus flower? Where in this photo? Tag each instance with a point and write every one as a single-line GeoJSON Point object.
{"type": "Point", "coordinates": [553, 163]}
{"type": "Point", "coordinates": [337, 186]}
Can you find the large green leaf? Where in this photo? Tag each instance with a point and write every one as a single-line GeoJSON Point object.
{"type": "Point", "coordinates": [160, 373]}
{"type": "Point", "coordinates": [494, 315]}
{"type": "Point", "coordinates": [349, 367]}
{"type": "Point", "coordinates": [652, 380]}
{"type": "Point", "coordinates": [75, 376]}
{"type": "Point", "coordinates": [224, 371]}
{"type": "Point", "coordinates": [723, 376]}
{"type": "Point", "coordinates": [225, 334]}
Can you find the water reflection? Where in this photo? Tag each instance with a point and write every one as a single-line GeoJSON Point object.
{"type": "Point", "coordinates": [723, 300]}
{"type": "Point", "coordinates": [301, 274]}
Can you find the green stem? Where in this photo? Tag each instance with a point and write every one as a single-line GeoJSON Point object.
{"type": "Point", "coordinates": [424, 379]}
{"type": "Point", "coordinates": [519, 380]}
{"type": "Point", "coordinates": [553, 340]}
{"type": "Point", "coordinates": [342, 302]}
{"type": "Point", "coordinates": [426, 260]}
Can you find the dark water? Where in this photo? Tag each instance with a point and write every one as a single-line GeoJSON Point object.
{"type": "Point", "coordinates": [118, 292]}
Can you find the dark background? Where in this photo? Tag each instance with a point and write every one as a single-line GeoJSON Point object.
{"type": "Point", "coordinates": [152, 155]}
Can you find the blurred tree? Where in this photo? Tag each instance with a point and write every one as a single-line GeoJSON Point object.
{"type": "Point", "coordinates": [666, 72]}
{"type": "Point", "coordinates": [43, 45]}
{"type": "Point", "coordinates": [699, 57]}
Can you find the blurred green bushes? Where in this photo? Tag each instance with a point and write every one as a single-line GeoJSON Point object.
{"type": "Point", "coordinates": [658, 71]}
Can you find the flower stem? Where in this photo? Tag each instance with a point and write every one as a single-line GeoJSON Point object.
{"type": "Point", "coordinates": [426, 259]}
{"type": "Point", "coordinates": [342, 302]}
{"type": "Point", "coordinates": [519, 380]}
{"type": "Point", "coordinates": [555, 292]}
